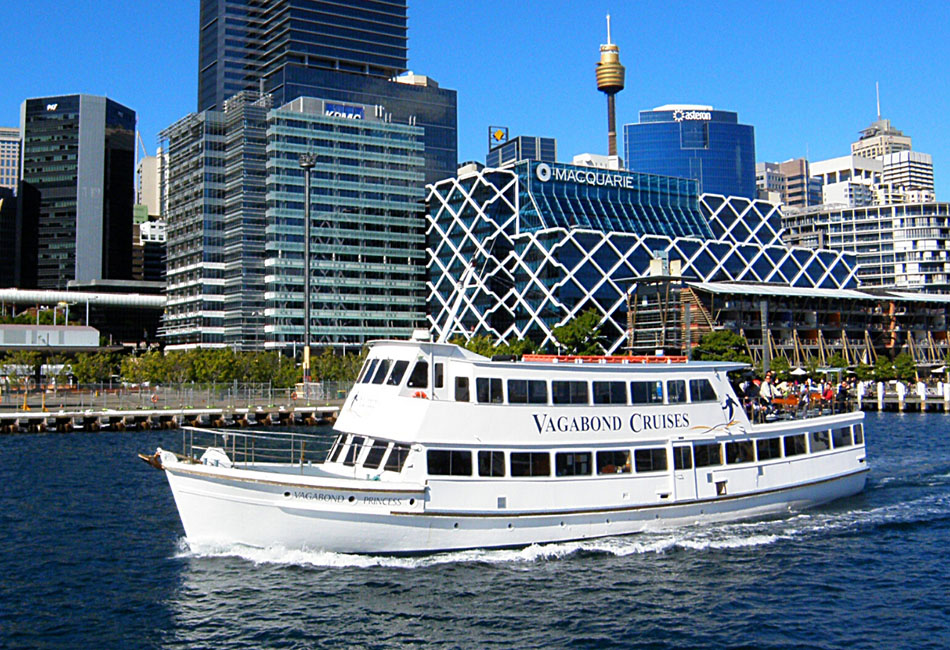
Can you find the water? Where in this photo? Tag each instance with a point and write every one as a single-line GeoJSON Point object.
{"type": "Point", "coordinates": [92, 555]}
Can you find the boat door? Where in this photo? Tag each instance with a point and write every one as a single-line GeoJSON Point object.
{"type": "Point", "coordinates": [684, 475]}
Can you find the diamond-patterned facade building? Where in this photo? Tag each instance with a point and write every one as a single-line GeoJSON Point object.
{"type": "Point", "coordinates": [513, 253]}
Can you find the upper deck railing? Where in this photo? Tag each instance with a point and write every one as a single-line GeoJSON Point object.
{"type": "Point", "coordinates": [250, 447]}
{"type": "Point", "coordinates": [582, 358]}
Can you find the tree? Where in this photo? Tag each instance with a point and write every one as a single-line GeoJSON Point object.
{"type": "Point", "coordinates": [780, 366]}
{"type": "Point", "coordinates": [722, 345]}
{"type": "Point", "coordinates": [94, 368]}
{"type": "Point", "coordinates": [581, 335]}
{"type": "Point", "coordinates": [904, 367]}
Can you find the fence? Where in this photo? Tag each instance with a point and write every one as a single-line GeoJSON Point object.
{"type": "Point", "coordinates": [125, 397]}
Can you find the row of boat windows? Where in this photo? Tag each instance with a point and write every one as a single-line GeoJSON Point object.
{"type": "Point", "coordinates": [491, 390]}
{"type": "Point", "coordinates": [492, 463]}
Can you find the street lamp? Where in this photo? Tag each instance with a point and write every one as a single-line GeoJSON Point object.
{"type": "Point", "coordinates": [307, 161]}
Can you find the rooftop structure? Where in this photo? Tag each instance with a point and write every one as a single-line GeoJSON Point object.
{"type": "Point", "coordinates": [9, 158]}
{"type": "Point", "coordinates": [610, 79]}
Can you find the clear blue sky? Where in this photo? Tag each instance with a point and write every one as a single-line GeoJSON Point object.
{"type": "Point", "coordinates": [802, 73]}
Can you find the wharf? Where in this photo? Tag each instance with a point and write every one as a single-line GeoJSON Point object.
{"type": "Point", "coordinates": [909, 403]}
{"type": "Point", "coordinates": [17, 421]}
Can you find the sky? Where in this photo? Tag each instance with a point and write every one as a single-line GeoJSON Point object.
{"type": "Point", "coordinates": [802, 73]}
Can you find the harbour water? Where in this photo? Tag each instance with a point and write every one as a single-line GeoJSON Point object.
{"type": "Point", "coordinates": [92, 555]}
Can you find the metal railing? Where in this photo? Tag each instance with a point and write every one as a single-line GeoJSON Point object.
{"type": "Point", "coordinates": [246, 448]}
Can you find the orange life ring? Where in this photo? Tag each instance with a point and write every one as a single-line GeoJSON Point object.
{"type": "Point", "coordinates": [154, 399]}
{"type": "Point", "coordinates": [293, 395]}
{"type": "Point", "coordinates": [420, 394]}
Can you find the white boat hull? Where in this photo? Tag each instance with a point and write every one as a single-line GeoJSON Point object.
{"type": "Point", "coordinates": [218, 510]}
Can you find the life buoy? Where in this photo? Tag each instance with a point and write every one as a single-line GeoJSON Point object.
{"type": "Point", "coordinates": [154, 399]}
{"type": "Point", "coordinates": [293, 395]}
{"type": "Point", "coordinates": [420, 395]}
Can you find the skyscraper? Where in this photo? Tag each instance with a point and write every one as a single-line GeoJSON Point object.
{"type": "Point", "coordinates": [695, 142]}
{"type": "Point", "coordinates": [74, 212]}
{"type": "Point", "coordinates": [353, 52]}
{"type": "Point", "coordinates": [244, 41]}
{"type": "Point", "coordinates": [9, 158]}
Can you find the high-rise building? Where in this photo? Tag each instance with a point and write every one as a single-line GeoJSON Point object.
{"type": "Point", "coordinates": [848, 180]}
{"type": "Point", "coordinates": [697, 142]}
{"type": "Point", "coordinates": [522, 147]}
{"type": "Point", "coordinates": [790, 183]}
{"type": "Point", "coordinates": [880, 139]}
{"type": "Point", "coordinates": [242, 42]}
{"type": "Point", "coordinates": [353, 52]}
{"type": "Point", "coordinates": [75, 204]}
{"type": "Point", "coordinates": [9, 158]}
{"type": "Point", "coordinates": [367, 254]}
{"type": "Point", "coordinates": [233, 282]}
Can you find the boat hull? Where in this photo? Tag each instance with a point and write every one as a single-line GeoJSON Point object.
{"type": "Point", "coordinates": [222, 510]}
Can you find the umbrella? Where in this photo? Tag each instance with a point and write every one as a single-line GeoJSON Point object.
{"type": "Point", "coordinates": [798, 372]}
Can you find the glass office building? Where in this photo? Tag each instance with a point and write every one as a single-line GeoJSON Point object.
{"type": "Point", "coordinates": [243, 41]}
{"type": "Point", "coordinates": [513, 253]}
{"type": "Point", "coordinates": [695, 142]}
{"type": "Point", "coordinates": [74, 216]}
{"type": "Point", "coordinates": [352, 52]}
{"type": "Point", "coordinates": [367, 263]}
{"type": "Point", "coordinates": [522, 147]}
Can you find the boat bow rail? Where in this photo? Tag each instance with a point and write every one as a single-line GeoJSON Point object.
{"type": "Point", "coordinates": [249, 448]}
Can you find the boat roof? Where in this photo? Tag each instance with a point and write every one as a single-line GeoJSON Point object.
{"type": "Point", "coordinates": [659, 363]}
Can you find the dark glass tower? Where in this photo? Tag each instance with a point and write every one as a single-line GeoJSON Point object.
{"type": "Point", "coordinates": [348, 52]}
{"type": "Point", "coordinates": [695, 142]}
{"type": "Point", "coordinates": [74, 212]}
{"type": "Point", "coordinates": [243, 41]}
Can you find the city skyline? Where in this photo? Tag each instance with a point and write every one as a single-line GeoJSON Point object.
{"type": "Point", "coordinates": [805, 83]}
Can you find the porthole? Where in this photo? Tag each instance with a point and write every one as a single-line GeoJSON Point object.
{"type": "Point", "coordinates": [351, 499]}
{"type": "Point", "coordinates": [412, 502]}
{"type": "Point", "coordinates": [456, 525]}
{"type": "Point", "coordinates": [510, 526]}
{"type": "Point", "coordinates": [286, 494]}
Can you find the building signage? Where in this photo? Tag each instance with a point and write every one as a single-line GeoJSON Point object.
{"type": "Point", "coordinates": [341, 110]}
{"type": "Point", "coordinates": [544, 172]}
{"type": "Point", "coordinates": [682, 116]}
{"type": "Point", "coordinates": [52, 107]}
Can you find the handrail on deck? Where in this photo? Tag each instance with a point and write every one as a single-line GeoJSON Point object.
{"type": "Point", "coordinates": [248, 447]}
{"type": "Point", "coordinates": [595, 358]}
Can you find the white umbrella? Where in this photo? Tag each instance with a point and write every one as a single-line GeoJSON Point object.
{"type": "Point", "coordinates": [798, 372]}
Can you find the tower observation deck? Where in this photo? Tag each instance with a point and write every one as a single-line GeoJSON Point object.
{"type": "Point", "coordinates": [610, 76]}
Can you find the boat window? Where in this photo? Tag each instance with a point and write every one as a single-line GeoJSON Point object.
{"type": "Point", "coordinates": [399, 369]}
{"type": "Point", "coordinates": [537, 391]}
{"type": "Point", "coordinates": [449, 462]}
{"type": "Point", "coordinates": [491, 463]}
{"type": "Point", "coordinates": [439, 375]}
{"type": "Point", "coordinates": [381, 371]}
{"type": "Point", "coordinates": [795, 445]}
{"type": "Point", "coordinates": [527, 391]}
{"type": "Point", "coordinates": [769, 448]}
{"type": "Point", "coordinates": [682, 458]}
{"type": "Point", "coordinates": [359, 379]}
{"type": "Point", "coordinates": [858, 434]}
{"type": "Point", "coordinates": [649, 460]}
{"type": "Point", "coordinates": [356, 445]}
{"type": "Point", "coordinates": [569, 392]}
{"type": "Point", "coordinates": [369, 370]}
{"type": "Point", "coordinates": [419, 377]}
{"type": "Point", "coordinates": [841, 437]}
{"type": "Point", "coordinates": [337, 448]}
{"type": "Point", "coordinates": [613, 462]}
{"type": "Point", "coordinates": [397, 458]}
{"type": "Point", "coordinates": [517, 391]}
{"type": "Point", "coordinates": [740, 452]}
{"type": "Point", "coordinates": [375, 455]}
{"type": "Point", "coordinates": [534, 463]}
{"type": "Point", "coordinates": [707, 454]}
{"type": "Point", "coordinates": [646, 392]}
{"type": "Point", "coordinates": [461, 389]}
{"type": "Point", "coordinates": [610, 392]}
{"type": "Point", "coordinates": [572, 463]}
{"type": "Point", "coordinates": [700, 390]}
{"type": "Point", "coordinates": [818, 441]}
{"type": "Point", "coordinates": [676, 391]}
{"type": "Point", "coordinates": [488, 390]}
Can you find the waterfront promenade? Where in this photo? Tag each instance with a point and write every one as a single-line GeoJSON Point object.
{"type": "Point", "coordinates": [140, 408]}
